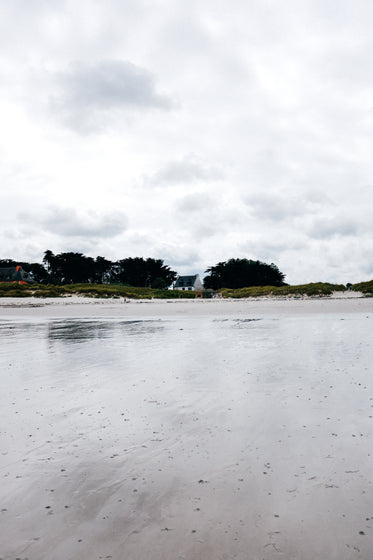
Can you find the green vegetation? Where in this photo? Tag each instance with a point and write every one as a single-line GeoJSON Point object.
{"type": "Point", "coordinates": [243, 273]}
{"type": "Point", "coordinates": [67, 274]}
{"type": "Point", "coordinates": [311, 290]}
{"type": "Point", "coordinates": [90, 290]}
{"type": "Point", "coordinates": [364, 287]}
{"type": "Point", "coordinates": [119, 291]}
{"type": "Point", "coordinates": [14, 290]}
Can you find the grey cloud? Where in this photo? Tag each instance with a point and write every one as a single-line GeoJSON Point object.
{"type": "Point", "coordinates": [88, 93]}
{"type": "Point", "coordinates": [184, 171]}
{"type": "Point", "coordinates": [67, 222]}
{"type": "Point", "coordinates": [179, 256]}
{"type": "Point", "coordinates": [139, 240]}
{"type": "Point", "coordinates": [194, 202]}
{"type": "Point", "coordinates": [366, 264]}
{"type": "Point", "coordinates": [327, 228]}
{"type": "Point", "coordinates": [279, 207]}
{"type": "Point", "coordinates": [270, 249]}
{"type": "Point", "coordinates": [175, 254]}
{"type": "Point", "coordinates": [205, 231]}
{"type": "Point", "coordinates": [350, 69]}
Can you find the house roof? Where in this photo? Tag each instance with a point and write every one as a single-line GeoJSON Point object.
{"type": "Point", "coordinates": [14, 274]}
{"type": "Point", "coordinates": [185, 281]}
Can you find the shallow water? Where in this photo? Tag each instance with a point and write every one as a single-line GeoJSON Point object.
{"type": "Point", "coordinates": [185, 437]}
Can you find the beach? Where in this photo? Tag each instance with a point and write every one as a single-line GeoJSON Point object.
{"type": "Point", "coordinates": [185, 430]}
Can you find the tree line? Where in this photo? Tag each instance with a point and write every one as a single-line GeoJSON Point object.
{"type": "Point", "coordinates": [243, 273]}
{"type": "Point", "coordinates": [77, 268]}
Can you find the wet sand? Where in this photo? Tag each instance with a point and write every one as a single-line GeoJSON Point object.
{"type": "Point", "coordinates": [186, 430]}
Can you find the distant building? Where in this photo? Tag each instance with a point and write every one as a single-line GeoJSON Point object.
{"type": "Point", "coordinates": [189, 283]}
{"type": "Point", "coordinates": [15, 274]}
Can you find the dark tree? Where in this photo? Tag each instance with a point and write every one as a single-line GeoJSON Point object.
{"type": "Point", "coordinates": [49, 259]}
{"type": "Point", "coordinates": [140, 272]}
{"type": "Point", "coordinates": [49, 262]}
{"type": "Point", "coordinates": [72, 268]}
{"type": "Point", "coordinates": [6, 263]}
{"type": "Point", "coordinates": [103, 271]}
{"type": "Point", "coordinates": [66, 268]}
{"type": "Point", "coordinates": [242, 273]}
{"type": "Point", "coordinates": [69, 268]}
{"type": "Point", "coordinates": [38, 272]}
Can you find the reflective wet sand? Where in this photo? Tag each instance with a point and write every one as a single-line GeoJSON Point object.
{"type": "Point", "coordinates": [186, 430]}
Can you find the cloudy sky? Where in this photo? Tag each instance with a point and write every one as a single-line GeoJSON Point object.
{"type": "Point", "coordinates": [193, 131]}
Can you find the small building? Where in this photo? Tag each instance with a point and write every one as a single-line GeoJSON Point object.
{"type": "Point", "coordinates": [189, 283]}
{"type": "Point", "coordinates": [15, 274]}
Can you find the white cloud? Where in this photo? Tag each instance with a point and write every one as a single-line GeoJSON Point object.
{"type": "Point", "coordinates": [205, 130]}
{"type": "Point", "coordinates": [68, 222]}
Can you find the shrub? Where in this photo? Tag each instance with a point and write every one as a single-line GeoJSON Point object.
{"type": "Point", "coordinates": [313, 289]}
{"type": "Point", "coordinates": [364, 287]}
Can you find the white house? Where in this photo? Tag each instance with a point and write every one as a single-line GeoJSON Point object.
{"type": "Point", "coordinates": [188, 283]}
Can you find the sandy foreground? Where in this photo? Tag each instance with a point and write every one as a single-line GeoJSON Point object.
{"type": "Point", "coordinates": [186, 430]}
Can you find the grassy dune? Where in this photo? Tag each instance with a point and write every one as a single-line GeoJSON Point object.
{"type": "Point", "coordinates": [89, 290]}
{"type": "Point", "coordinates": [318, 289]}
{"type": "Point", "coordinates": [315, 289]}
{"type": "Point", "coordinates": [364, 287]}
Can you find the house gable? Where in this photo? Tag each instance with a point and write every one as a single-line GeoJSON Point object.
{"type": "Point", "coordinates": [188, 283]}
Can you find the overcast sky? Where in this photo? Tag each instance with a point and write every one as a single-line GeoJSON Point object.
{"type": "Point", "coordinates": [193, 131]}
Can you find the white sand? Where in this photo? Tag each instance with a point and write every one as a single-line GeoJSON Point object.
{"type": "Point", "coordinates": [77, 306]}
{"type": "Point", "coordinates": [186, 430]}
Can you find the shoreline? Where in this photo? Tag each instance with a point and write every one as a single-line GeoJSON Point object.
{"type": "Point", "coordinates": [80, 306]}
